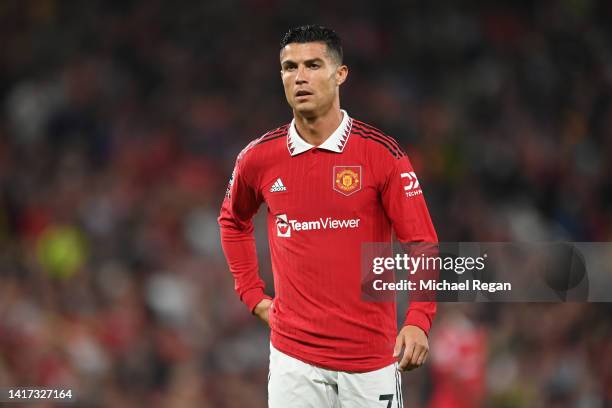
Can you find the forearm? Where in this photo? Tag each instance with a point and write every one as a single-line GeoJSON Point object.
{"type": "Point", "coordinates": [241, 255]}
{"type": "Point", "coordinates": [421, 314]}
{"type": "Point", "coordinates": [422, 307]}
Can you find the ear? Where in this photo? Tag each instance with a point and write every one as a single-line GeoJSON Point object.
{"type": "Point", "coordinates": [341, 74]}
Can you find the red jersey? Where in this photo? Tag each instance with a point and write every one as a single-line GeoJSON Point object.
{"type": "Point", "coordinates": [323, 203]}
{"type": "Point", "coordinates": [458, 364]}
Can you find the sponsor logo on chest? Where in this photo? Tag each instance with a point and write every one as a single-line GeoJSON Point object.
{"type": "Point", "coordinates": [284, 226]}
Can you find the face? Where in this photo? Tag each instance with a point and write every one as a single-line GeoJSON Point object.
{"type": "Point", "coordinates": [311, 78]}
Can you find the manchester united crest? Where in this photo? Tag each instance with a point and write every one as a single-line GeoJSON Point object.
{"type": "Point", "coordinates": [347, 179]}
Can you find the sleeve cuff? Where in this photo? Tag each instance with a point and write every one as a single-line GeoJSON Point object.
{"type": "Point", "coordinates": [252, 297]}
{"type": "Point", "coordinates": [419, 319]}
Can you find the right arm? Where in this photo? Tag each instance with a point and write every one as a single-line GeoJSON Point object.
{"type": "Point", "coordinates": [241, 202]}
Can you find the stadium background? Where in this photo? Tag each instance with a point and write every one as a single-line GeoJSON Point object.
{"type": "Point", "coordinates": [119, 125]}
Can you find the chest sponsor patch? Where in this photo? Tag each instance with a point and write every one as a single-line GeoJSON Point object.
{"type": "Point", "coordinates": [284, 225]}
{"type": "Point", "coordinates": [347, 179]}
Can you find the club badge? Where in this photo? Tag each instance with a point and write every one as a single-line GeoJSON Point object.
{"type": "Point", "coordinates": [347, 179]}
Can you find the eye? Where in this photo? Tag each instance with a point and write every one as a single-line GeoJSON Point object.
{"type": "Point", "coordinates": [314, 65]}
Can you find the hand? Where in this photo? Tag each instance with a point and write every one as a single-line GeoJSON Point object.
{"type": "Point", "coordinates": [262, 310]}
{"type": "Point", "coordinates": [416, 347]}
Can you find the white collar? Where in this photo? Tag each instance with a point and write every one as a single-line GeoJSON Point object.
{"type": "Point", "coordinates": [335, 142]}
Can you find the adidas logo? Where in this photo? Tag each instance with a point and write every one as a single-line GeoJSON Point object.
{"type": "Point", "coordinates": [278, 186]}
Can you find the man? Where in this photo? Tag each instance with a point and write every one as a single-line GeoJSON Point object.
{"type": "Point", "coordinates": [330, 183]}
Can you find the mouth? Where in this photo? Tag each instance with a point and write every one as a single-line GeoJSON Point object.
{"type": "Point", "coordinates": [302, 93]}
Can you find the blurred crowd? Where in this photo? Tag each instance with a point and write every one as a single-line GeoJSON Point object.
{"type": "Point", "coordinates": [119, 125]}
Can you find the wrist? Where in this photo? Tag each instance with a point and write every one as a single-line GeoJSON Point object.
{"type": "Point", "coordinates": [253, 297]}
{"type": "Point", "coordinates": [262, 307]}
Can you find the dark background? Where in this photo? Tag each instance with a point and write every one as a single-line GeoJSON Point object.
{"type": "Point", "coordinates": [119, 125]}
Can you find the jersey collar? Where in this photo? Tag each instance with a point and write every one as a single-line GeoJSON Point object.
{"type": "Point", "coordinates": [334, 143]}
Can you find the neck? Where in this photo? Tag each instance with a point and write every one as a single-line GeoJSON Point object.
{"type": "Point", "coordinates": [315, 130]}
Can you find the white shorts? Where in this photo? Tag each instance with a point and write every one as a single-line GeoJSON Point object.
{"type": "Point", "coordinates": [295, 384]}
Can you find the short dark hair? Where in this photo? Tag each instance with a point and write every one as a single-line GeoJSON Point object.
{"type": "Point", "coordinates": [315, 33]}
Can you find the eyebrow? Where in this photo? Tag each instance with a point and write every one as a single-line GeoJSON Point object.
{"type": "Point", "coordinates": [308, 61]}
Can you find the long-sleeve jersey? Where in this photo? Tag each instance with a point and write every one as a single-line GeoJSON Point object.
{"type": "Point", "coordinates": [323, 203]}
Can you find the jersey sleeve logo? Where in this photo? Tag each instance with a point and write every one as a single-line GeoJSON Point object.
{"type": "Point", "coordinates": [347, 179]}
{"type": "Point", "coordinates": [411, 186]}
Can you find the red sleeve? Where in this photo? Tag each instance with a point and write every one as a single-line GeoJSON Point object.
{"type": "Point", "coordinates": [241, 202]}
{"type": "Point", "coordinates": [405, 206]}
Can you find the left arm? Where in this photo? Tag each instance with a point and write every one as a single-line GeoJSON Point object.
{"type": "Point", "coordinates": [405, 206]}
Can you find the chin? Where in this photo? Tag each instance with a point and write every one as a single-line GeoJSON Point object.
{"type": "Point", "coordinates": [306, 109]}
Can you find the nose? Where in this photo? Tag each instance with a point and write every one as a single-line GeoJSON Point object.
{"type": "Point", "coordinates": [300, 77]}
